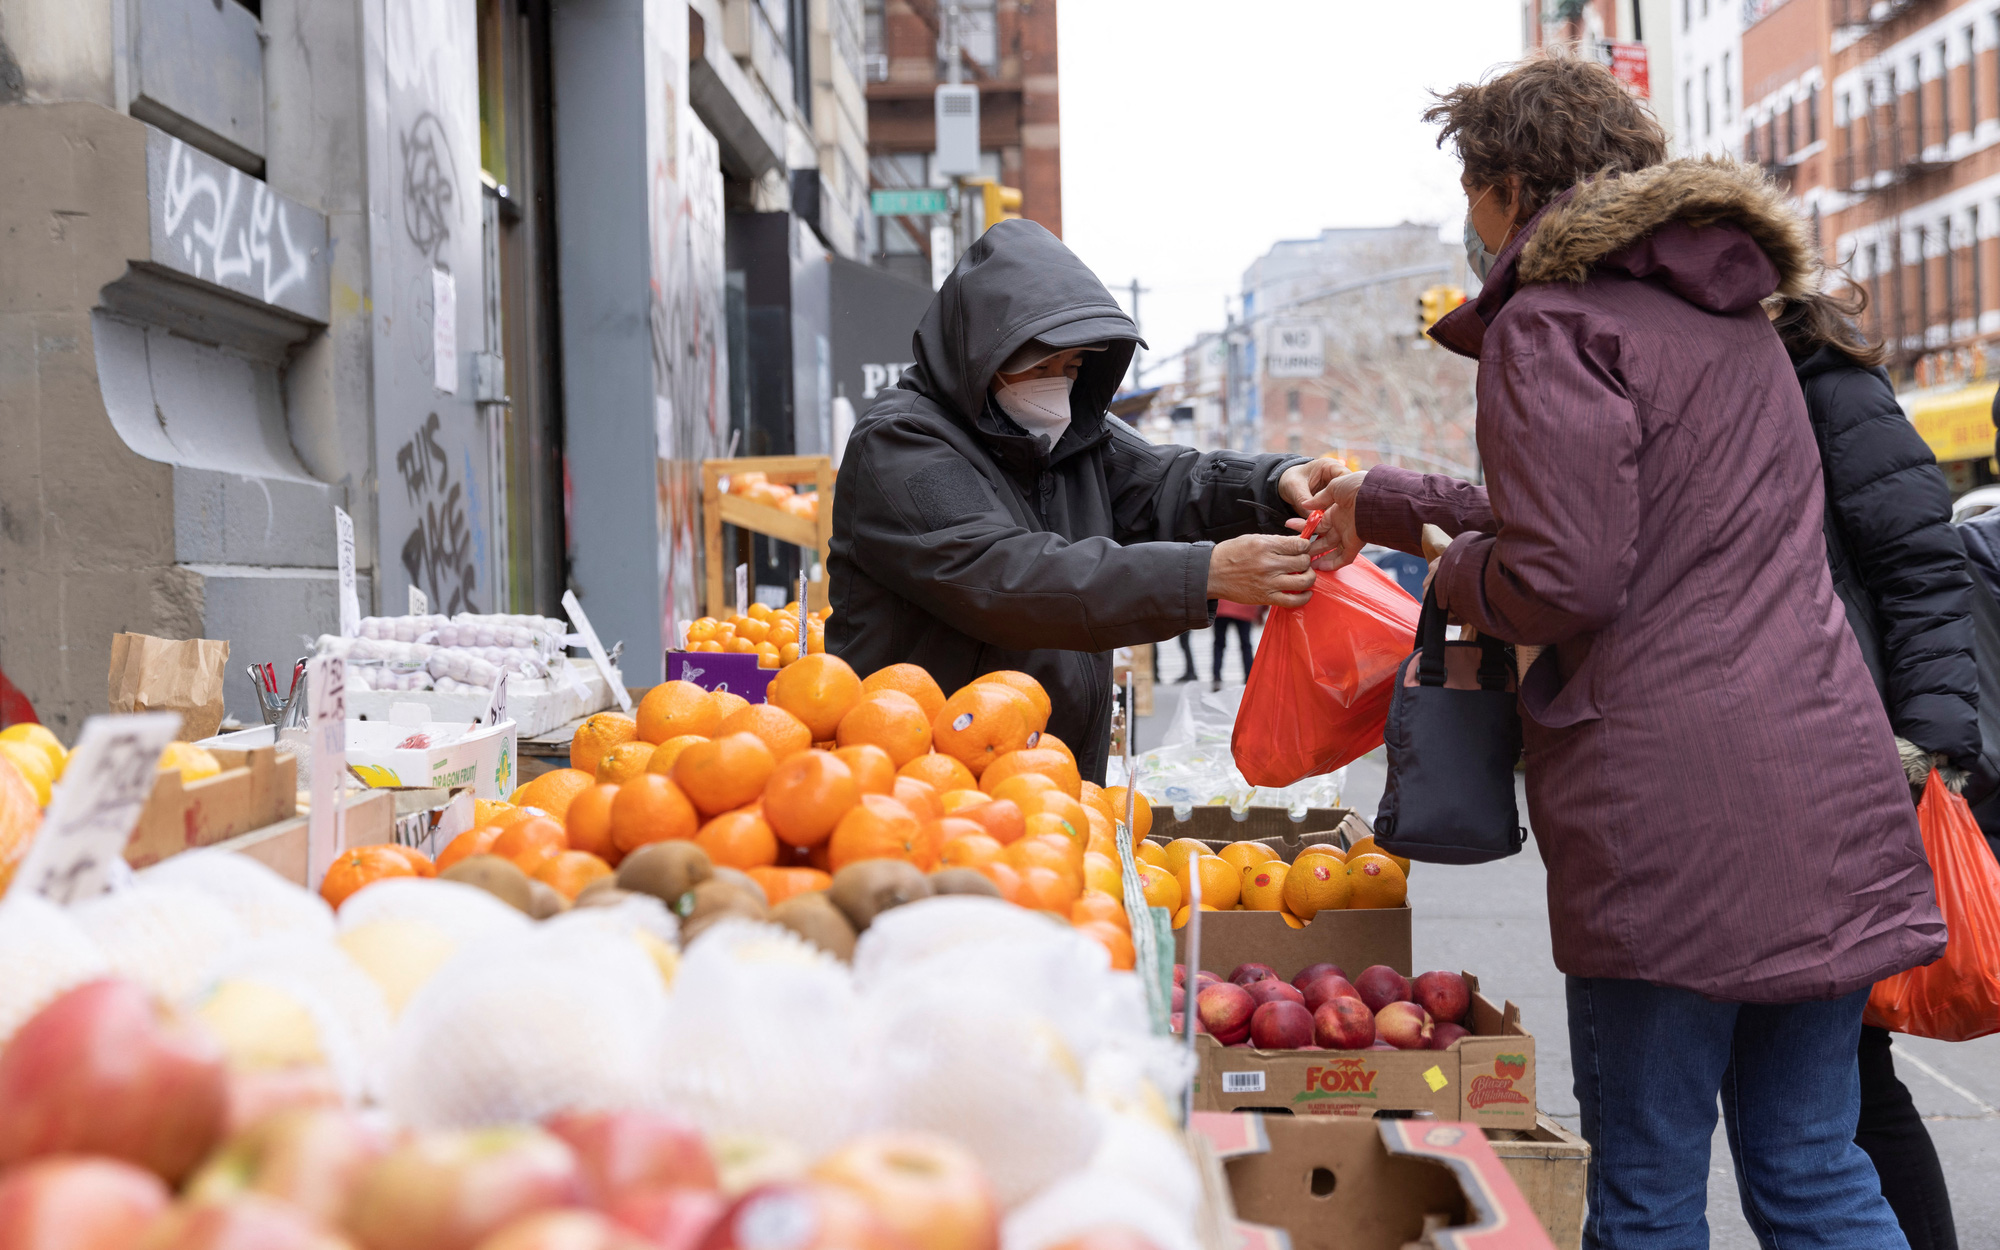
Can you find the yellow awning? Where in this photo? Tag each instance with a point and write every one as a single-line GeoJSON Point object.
{"type": "Point", "coordinates": [1958, 424]}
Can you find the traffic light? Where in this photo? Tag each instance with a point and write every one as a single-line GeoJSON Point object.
{"type": "Point", "coordinates": [1435, 302]}
{"type": "Point", "coordinates": [997, 203]}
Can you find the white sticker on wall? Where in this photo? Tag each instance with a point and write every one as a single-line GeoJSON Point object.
{"type": "Point", "coordinates": [444, 330]}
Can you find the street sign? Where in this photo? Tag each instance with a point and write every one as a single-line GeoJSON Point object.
{"type": "Point", "coordinates": [1297, 350]}
{"type": "Point", "coordinates": [910, 202]}
{"type": "Point", "coordinates": [1629, 65]}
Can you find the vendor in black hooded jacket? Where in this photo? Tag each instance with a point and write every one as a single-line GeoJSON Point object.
{"type": "Point", "coordinates": [989, 515]}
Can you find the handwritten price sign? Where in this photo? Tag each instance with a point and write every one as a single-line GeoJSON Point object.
{"type": "Point", "coordinates": [81, 847]}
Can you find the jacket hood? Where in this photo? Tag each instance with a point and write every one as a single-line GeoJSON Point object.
{"type": "Point", "coordinates": [1718, 234]}
{"type": "Point", "coordinates": [1018, 282]}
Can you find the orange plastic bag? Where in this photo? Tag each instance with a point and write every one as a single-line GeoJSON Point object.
{"type": "Point", "coordinates": [1958, 997]}
{"type": "Point", "coordinates": [1318, 693]}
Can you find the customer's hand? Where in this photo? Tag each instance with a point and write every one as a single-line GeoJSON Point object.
{"type": "Point", "coordinates": [1337, 541]}
{"type": "Point", "coordinates": [1261, 568]}
{"type": "Point", "coordinates": [1301, 482]}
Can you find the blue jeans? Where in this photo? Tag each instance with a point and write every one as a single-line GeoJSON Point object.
{"type": "Point", "coordinates": [1650, 1063]}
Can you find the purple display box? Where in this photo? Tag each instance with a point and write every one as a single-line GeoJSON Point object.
{"type": "Point", "coordinates": [734, 671]}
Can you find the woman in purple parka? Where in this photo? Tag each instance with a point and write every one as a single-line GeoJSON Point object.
{"type": "Point", "coordinates": [1732, 855]}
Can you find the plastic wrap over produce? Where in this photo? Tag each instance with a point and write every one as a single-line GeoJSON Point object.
{"type": "Point", "coordinates": [447, 653]}
{"type": "Point", "coordinates": [1193, 766]}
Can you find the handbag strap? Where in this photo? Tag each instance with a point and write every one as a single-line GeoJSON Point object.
{"type": "Point", "coordinates": [1496, 667]}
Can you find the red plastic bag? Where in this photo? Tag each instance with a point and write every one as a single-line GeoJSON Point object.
{"type": "Point", "coordinates": [1318, 693]}
{"type": "Point", "coordinates": [1958, 997]}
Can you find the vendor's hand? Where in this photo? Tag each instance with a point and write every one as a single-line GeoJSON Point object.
{"type": "Point", "coordinates": [1301, 482]}
{"type": "Point", "coordinates": [1337, 541]}
{"type": "Point", "coordinates": [1261, 568]}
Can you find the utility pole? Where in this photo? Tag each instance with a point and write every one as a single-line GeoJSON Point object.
{"type": "Point", "coordinates": [1137, 380]}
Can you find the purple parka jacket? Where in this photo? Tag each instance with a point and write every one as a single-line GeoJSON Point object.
{"type": "Point", "coordinates": [1711, 778]}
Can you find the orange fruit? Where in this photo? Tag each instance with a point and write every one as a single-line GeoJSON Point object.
{"type": "Point", "coordinates": [1116, 942]}
{"type": "Point", "coordinates": [647, 809]}
{"type": "Point", "coordinates": [781, 731]}
{"type": "Point", "coordinates": [569, 871]}
{"type": "Point", "coordinates": [1142, 811]}
{"type": "Point", "coordinates": [1160, 886]}
{"type": "Point", "coordinates": [874, 771]}
{"type": "Point", "coordinates": [1292, 920]}
{"type": "Point", "coordinates": [753, 630]}
{"type": "Point", "coordinates": [512, 816]}
{"type": "Point", "coordinates": [768, 655]}
{"type": "Point", "coordinates": [1374, 880]}
{"type": "Point", "coordinates": [1221, 881]}
{"type": "Point", "coordinates": [596, 736]}
{"type": "Point", "coordinates": [1263, 886]}
{"type": "Point", "coordinates": [1054, 765]}
{"type": "Point", "coordinates": [788, 882]}
{"type": "Point", "coordinates": [1365, 845]}
{"type": "Point", "coordinates": [955, 799]}
{"type": "Point", "coordinates": [1038, 698]}
{"type": "Point", "coordinates": [420, 863]}
{"type": "Point", "coordinates": [667, 752]}
{"type": "Point", "coordinates": [1002, 819]}
{"type": "Point", "coordinates": [1096, 906]}
{"type": "Point", "coordinates": [699, 631]}
{"type": "Point", "coordinates": [1045, 889]}
{"type": "Point", "coordinates": [1181, 916]}
{"type": "Point", "coordinates": [727, 704]}
{"type": "Point", "coordinates": [739, 839]}
{"type": "Point", "coordinates": [361, 866]}
{"type": "Point", "coordinates": [674, 708]}
{"type": "Point", "coordinates": [819, 690]}
{"type": "Point", "coordinates": [1314, 883]}
{"type": "Point", "coordinates": [1019, 786]}
{"type": "Point", "coordinates": [1244, 854]}
{"type": "Point", "coordinates": [1050, 825]}
{"type": "Point", "coordinates": [1004, 878]}
{"type": "Point", "coordinates": [725, 774]}
{"type": "Point", "coordinates": [588, 822]}
{"type": "Point", "coordinates": [920, 797]}
{"type": "Point", "coordinates": [1044, 852]}
{"type": "Point", "coordinates": [940, 771]}
{"type": "Point", "coordinates": [1056, 803]}
{"type": "Point", "coordinates": [1049, 742]}
{"type": "Point", "coordinates": [530, 842]}
{"type": "Point", "coordinates": [1100, 873]}
{"type": "Point", "coordinates": [1149, 852]}
{"type": "Point", "coordinates": [552, 791]}
{"type": "Point", "coordinates": [485, 810]}
{"type": "Point", "coordinates": [910, 680]}
{"type": "Point", "coordinates": [891, 720]}
{"type": "Point", "coordinates": [472, 842]}
{"type": "Point", "coordinates": [879, 827]}
{"type": "Point", "coordinates": [978, 725]}
{"type": "Point", "coordinates": [962, 844]}
{"type": "Point", "coordinates": [1179, 851]}
{"type": "Point", "coordinates": [1102, 831]}
{"type": "Point", "coordinates": [1092, 795]}
{"type": "Point", "coordinates": [625, 761]}
{"type": "Point", "coordinates": [807, 795]}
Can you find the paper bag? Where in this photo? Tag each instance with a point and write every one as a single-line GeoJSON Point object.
{"type": "Point", "coordinates": [151, 674]}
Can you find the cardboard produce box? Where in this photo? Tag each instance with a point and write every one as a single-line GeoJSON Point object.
{"type": "Point", "coordinates": [1218, 826]}
{"type": "Point", "coordinates": [435, 754]}
{"type": "Point", "coordinates": [1551, 1165]}
{"type": "Point", "coordinates": [734, 671]}
{"type": "Point", "coordinates": [371, 820]}
{"type": "Point", "coordinates": [1486, 1079]}
{"type": "Point", "coordinates": [257, 786]}
{"type": "Point", "coordinates": [1354, 938]}
{"type": "Point", "coordinates": [1316, 1184]}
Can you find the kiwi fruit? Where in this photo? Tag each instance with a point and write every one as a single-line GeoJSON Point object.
{"type": "Point", "coordinates": [498, 877]}
{"type": "Point", "coordinates": [715, 900]}
{"type": "Point", "coordinates": [814, 918]}
{"type": "Point", "coordinates": [666, 870]}
{"type": "Point", "coordinates": [742, 881]}
{"type": "Point", "coordinates": [962, 881]}
{"type": "Point", "coordinates": [601, 894]}
{"type": "Point", "coordinates": [865, 890]}
{"type": "Point", "coordinates": [544, 900]}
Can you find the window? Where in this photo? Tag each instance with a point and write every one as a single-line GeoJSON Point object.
{"type": "Point", "coordinates": [1687, 13]}
{"type": "Point", "coordinates": [1923, 280]}
{"type": "Point", "coordinates": [1791, 128]}
{"type": "Point", "coordinates": [1944, 96]}
{"type": "Point", "coordinates": [1707, 96]}
{"type": "Point", "coordinates": [1728, 96]}
{"type": "Point", "coordinates": [1874, 281]}
{"type": "Point", "coordinates": [1849, 152]}
{"type": "Point", "coordinates": [1292, 404]}
{"type": "Point", "coordinates": [1687, 107]}
{"type": "Point", "coordinates": [1974, 257]}
{"type": "Point", "coordinates": [1971, 82]}
{"type": "Point", "coordinates": [1704, 8]}
{"type": "Point", "coordinates": [1812, 114]}
{"type": "Point", "coordinates": [1950, 277]}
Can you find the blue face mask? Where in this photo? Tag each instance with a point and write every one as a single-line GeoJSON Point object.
{"type": "Point", "coordinates": [1476, 255]}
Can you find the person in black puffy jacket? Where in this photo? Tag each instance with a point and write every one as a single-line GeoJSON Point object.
{"type": "Point", "coordinates": [1900, 570]}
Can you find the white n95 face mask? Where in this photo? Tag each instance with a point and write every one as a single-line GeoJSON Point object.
{"type": "Point", "coordinates": [1040, 405]}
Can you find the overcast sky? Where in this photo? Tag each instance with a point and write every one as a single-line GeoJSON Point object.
{"type": "Point", "coordinates": [1196, 133]}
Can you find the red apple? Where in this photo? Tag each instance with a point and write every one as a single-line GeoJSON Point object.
{"type": "Point", "coordinates": [1244, 974]}
{"type": "Point", "coordinates": [565, 1230]}
{"type": "Point", "coordinates": [1443, 1035]}
{"type": "Point", "coordinates": [1344, 1023]}
{"type": "Point", "coordinates": [1224, 1010]}
{"type": "Point", "coordinates": [1177, 1022]}
{"type": "Point", "coordinates": [927, 1188]}
{"type": "Point", "coordinates": [620, 1152]}
{"type": "Point", "coordinates": [311, 1157]}
{"type": "Point", "coordinates": [102, 1070]}
{"type": "Point", "coordinates": [1405, 1026]}
{"type": "Point", "coordinates": [671, 1219]}
{"type": "Point", "coordinates": [1381, 985]}
{"type": "Point", "coordinates": [244, 1222]}
{"type": "Point", "coordinates": [1281, 1025]}
{"type": "Point", "coordinates": [1314, 972]}
{"type": "Point", "coordinates": [71, 1202]}
{"type": "Point", "coordinates": [1271, 990]}
{"type": "Point", "coordinates": [1328, 987]}
{"type": "Point", "coordinates": [1205, 977]}
{"type": "Point", "coordinates": [1444, 994]}
{"type": "Point", "coordinates": [445, 1191]}
{"type": "Point", "coordinates": [257, 1092]}
{"type": "Point", "coordinates": [1180, 974]}
{"type": "Point", "coordinates": [802, 1215]}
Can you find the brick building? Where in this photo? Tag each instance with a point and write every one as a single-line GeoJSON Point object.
{"type": "Point", "coordinates": [1007, 48]}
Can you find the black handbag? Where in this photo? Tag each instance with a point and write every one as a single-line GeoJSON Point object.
{"type": "Point", "coordinates": [1453, 735]}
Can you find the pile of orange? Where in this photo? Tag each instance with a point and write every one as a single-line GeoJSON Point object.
{"type": "Point", "coordinates": [1250, 876]}
{"type": "Point", "coordinates": [771, 634]}
{"type": "Point", "coordinates": [759, 488]}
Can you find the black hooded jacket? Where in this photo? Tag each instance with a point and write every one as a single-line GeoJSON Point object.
{"type": "Point", "coordinates": [966, 545]}
{"type": "Point", "coordinates": [1897, 565]}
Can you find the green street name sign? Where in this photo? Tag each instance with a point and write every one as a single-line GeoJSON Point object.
{"type": "Point", "coordinates": [909, 203]}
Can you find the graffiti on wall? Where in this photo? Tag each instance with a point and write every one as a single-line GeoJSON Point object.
{"type": "Point", "coordinates": [216, 223]}
{"type": "Point", "coordinates": [430, 179]}
{"type": "Point", "coordinates": [438, 553]}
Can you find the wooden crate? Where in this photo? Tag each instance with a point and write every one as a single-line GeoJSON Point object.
{"type": "Point", "coordinates": [719, 508]}
{"type": "Point", "coordinates": [1550, 1164]}
{"type": "Point", "coordinates": [256, 787]}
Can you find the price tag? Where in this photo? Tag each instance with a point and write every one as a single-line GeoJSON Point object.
{"type": "Point", "coordinates": [742, 590]}
{"type": "Point", "coordinates": [496, 708]}
{"type": "Point", "coordinates": [420, 603]}
{"type": "Point", "coordinates": [326, 830]}
{"type": "Point", "coordinates": [596, 648]}
{"type": "Point", "coordinates": [80, 849]}
{"type": "Point", "coordinates": [350, 603]}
